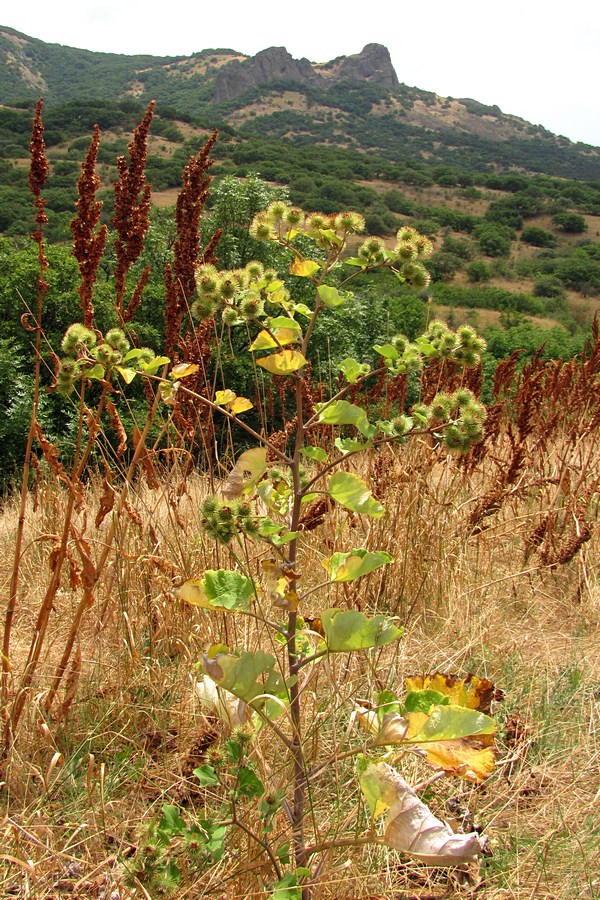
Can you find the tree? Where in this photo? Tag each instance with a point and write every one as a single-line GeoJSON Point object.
{"type": "Point", "coordinates": [570, 222]}
{"type": "Point", "coordinates": [538, 237]}
{"type": "Point", "coordinates": [234, 204]}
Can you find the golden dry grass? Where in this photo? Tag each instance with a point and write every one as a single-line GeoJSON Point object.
{"type": "Point", "coordinates": [83, 784]}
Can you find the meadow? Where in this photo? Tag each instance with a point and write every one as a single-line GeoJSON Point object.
{"type": "Point", "coordinates": [149, 560]}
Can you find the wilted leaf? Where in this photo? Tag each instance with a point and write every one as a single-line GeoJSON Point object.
{"type": "Point", "coordinates": [283, 363]}
{"type": "Point", "coordinates": [224, 397]}
{"type": "Point", "coordinates": [352, 492]}
{"type": "Point", "coordinates": [349, 629]}
{"type": "Point", "coordinates": [456, 739]}
{"type": "Point", "coordinates": [471, 691]}
{"type": "Point", "coordinates": [410, 825]}
{"type": "Point", "coordinates": [355, 564]}
{"type": "Point", "coordinates": [304, 267]}
{"type": "Point", "coordinates": [251, 465]}
{"type": "Point", "coordinates": [390, 730]}
{"type": "Point", "coordinates": [344, 413]}
{"type": "Point", "coordinates": [246, 676]}
{"type": "Point", "coordinates": [224, 705]}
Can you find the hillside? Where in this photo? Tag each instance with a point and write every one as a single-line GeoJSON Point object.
{"type": "Point", "coordinates": [354, 101]}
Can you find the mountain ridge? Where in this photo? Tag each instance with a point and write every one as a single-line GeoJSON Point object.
{"type": "Point", "coordinates": [355, 101]}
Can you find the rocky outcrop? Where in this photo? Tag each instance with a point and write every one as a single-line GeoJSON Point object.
{"type": "Point", "coordinates": [274, 64]}
{"type": "Point", "coordinates": [373, 63]}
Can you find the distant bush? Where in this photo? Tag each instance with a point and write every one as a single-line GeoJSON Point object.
{"type": "Point", "coordinates": [538, 237]}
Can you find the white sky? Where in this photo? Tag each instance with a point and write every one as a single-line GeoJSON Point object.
{"type": "Point", "coordinates": [533, 58]}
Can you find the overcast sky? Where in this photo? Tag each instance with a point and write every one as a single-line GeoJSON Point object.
{"type": "Point", "coordinates": [534, 59]}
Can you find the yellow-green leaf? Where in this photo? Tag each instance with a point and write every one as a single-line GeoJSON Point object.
{"type": "Point", "coordinates": [352, 492]}
{"type": "Point", "coordinates": [277, 338]}
{"type": "Point", "coordinates": [283, 363]}
{"type": "Point", "coordinates": [304, 267]}
{"type": "Point", "coordinates": [218, 590]}
{"type": "Point", "coordinates": [126, 374]}
{"type": "Point", "coordinates": [349, 566]}
{"type": "Point", "coordinates": [348, 629]}
{"type": "Point", "coordinates": [224, 397]}
{"type": "Point", "coordinates": [183, 370]}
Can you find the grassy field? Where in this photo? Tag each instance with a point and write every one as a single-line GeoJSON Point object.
{"type": "Point", "coordinates": [118, 778]}
{"type": "Point", "coordinates": [85, 780]}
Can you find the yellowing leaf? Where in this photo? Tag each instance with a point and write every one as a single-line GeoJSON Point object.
{"type": "Point", "coordinates": [454, 738]}
{"type": "Point", "coordinates": [466, 758]}
{"type": "Point", "coordinates": [192, 592]}
{"type": "Point", "coordinates": [246, 676]}
{"type": "Point", "coordinates": [304, 267]}
{"type": "Point", "coordinates": [246, 472]}
{"type": "Point", "coordinates": [240, 405]}
{"type": "Point", "coordinates": [126, 374]}
{"type": "Point", "coordinates": [471, 691]}
{"type": "Point", "coordinates": [277, 338]}
{"type": "Point", "coordinates": [355, 564]}
{"type": "Point", "coordinates": [283, 363]}
{"type": "Point", "coordinates": [224, 397]}
{"type": "Point", "coordinates": [183, 370]}
{"type": "Point", "coordinates": [410, 825]}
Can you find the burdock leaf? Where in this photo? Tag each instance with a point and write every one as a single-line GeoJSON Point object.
{"type": "Point", "coordinates": [283, 363]}
{"type": "Point", "coordinates": [218, 590]}
{"type": "Point", "coordinates": [456, 739]}
{"type": "Point", "coordinates": [355, 564]}
{"type": "Point", "coordinates": [447, 723]}
{"type": "Point", "coordinates": [330, 296]}
{"type": "Point", "coordinates": [245, 676]}
{"type": "Point", "coordinates": [344, 413]}
{"type": "Point", "coordinates": [304, 267]}
{"type": "Point", "coordinates": [240, 405]}
{"type": "Point", "coordinates": [183, 370]}
{"type": "Point", "coordinates": [251, 465]}
{"type": "Point", "coordinates": [471, 691]}
{"type": "Point", "coordinates": [276, 338]}
{"type": "Point", "coordinates": [352, 493]}
{"type": "Point", "coordinates": [410, 825]}
{"type": "Point", "coordinates": [224, 397]}
{"type": "Point", "coordinates": [353, 370]}
{"type": "Point", "coordinates": [348, 629]}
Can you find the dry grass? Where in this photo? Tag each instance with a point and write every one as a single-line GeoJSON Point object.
{"type": "Point", "coordinates": [83, 784]}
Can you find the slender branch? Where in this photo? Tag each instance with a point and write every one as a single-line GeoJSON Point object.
{"type": "Point", "coordinates": [233, 418]}
{"type": "Point", "coordinates": [314, 420]}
